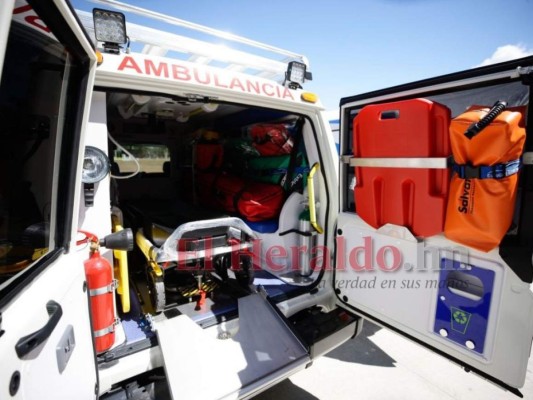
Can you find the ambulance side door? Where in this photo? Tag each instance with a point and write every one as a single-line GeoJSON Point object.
{"type": "Point", "coordinates": [470, 306]}
{"type": "Point", "coordinates": [47, 70]}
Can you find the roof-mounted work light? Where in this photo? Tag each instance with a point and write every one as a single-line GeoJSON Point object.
{"type": "Point", "coordinates": [110, 28]}
{"type": "Point", "coordinates": [296, 75]}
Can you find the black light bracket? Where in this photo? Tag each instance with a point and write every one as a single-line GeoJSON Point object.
{"type": "Point", "coordinates": [88, 194]}
{"type": "Point", "coordinates": [112, 48]}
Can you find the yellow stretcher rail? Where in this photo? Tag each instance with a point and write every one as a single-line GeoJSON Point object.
{"type": "Point", "coordinates": [149, 252]}
{"type": "Point", "coordinates": [120, 261]}
{"type": "Point", "coordinates": [311, 193]}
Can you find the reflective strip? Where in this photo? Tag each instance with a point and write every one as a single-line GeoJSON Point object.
{"type": "Point", "coordinates": [435, 162]}
{"type": "Point", "coordinates": [104, 289]}
{"type": "Point", "coordinates": [105, 331]}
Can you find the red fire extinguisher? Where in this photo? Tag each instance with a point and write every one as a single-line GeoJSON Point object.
{"type": "Point", "coordinates": [99, 274]}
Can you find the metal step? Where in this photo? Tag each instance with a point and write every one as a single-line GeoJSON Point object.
{"type": "Point", "coordinates": [232, 359]}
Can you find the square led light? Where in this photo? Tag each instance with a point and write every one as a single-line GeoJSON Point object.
{"type": "Point", "coordinates": [296, 72]}
{"type": "Point", "coordinates": [109, 26]}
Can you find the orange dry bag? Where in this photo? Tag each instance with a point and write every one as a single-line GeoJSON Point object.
{"type": "Point", "coordinates": [486, 145]}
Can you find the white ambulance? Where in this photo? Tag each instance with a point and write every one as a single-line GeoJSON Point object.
{"type": "Point", "coordinates": [176, 221]}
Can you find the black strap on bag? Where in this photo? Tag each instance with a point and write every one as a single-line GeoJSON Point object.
{"type": "Point", "coordinates": [497, 171]}
{"type": "Point", "coordinates": [291, 183]}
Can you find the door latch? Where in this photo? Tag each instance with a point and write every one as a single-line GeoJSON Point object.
{"type": "Point", "coordinates": [65, 347]}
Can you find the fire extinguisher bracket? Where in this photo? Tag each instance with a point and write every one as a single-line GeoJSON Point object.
{"type": "Point", "coordinates": [104, 289]}
{"type": "Point", "coordinates": [106, 330]}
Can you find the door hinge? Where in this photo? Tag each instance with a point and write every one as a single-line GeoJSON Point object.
{"type": "Point", "coordinates": [526, 75]}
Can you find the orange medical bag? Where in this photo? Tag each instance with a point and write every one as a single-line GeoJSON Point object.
{"type": "Point", "coordinates": [487, 146]}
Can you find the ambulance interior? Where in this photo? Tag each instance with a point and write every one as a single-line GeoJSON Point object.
{"type": "Point", "coordinates": [187, 197]}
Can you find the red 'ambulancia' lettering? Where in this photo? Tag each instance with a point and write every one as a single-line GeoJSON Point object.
{"type": "Point", "coordinates": [198, 78]}
{"type": "Point", "coordinates": [180, 72]}
{"type": "Point", "coordinates": [219, 84]}
{"type": "Point", "coordinates": [287, 94]}
{"type": "Point", "coordinates": [150, 67]}
{"type": "Point", "coordinates": [236, 83]}
{"type": "Point", "coordinates": [20, 10]}
{"type": "Point", "coordinates": [37, 22]}
{"type": "Point", "coordinates": [129, 62]}
{"type": "Point", "coordinates": [203, 77]}
{"type": "Point", "coordinates": [268, 89]}
{"type": "Point", "coordinates": [31, 19]}
{"type": "Point", "coordinates": [252, 86]}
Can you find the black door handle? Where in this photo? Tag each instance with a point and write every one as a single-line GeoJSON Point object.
{"type": "Point", "coordinates": [31, 341]}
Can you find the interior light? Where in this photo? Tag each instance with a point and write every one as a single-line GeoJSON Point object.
{"type": "Point", "coordinates": [296, 74]}
{"type": "Point", "coordinates": [209, 107]}
{"type": "Point", "coordinates": [95, 165]}
{"type": "Point", "coordinates": [110, 28]}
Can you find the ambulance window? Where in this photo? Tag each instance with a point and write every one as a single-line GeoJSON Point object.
{"type": "Point", "coordinates": [152, 159]}
{"type": "Point", "coordinates": [39, 95]}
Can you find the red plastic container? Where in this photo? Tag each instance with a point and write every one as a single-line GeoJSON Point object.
{"type": "Point", "coordinates": [410, 197]}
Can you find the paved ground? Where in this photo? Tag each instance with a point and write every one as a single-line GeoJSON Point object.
{"type": "Point", "coordinates": [382, 365]}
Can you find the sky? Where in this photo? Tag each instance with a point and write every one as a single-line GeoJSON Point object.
{"type": "Point", "coordinates": [357, 46]}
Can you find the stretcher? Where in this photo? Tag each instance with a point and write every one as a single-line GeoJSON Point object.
{"type": "Point", "coordinates": [196, 249]}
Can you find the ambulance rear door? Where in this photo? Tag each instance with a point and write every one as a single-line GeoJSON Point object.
{"type": "Point", "coordinates": [47, 71]}
{"type": "Point", "coordinates": [473, 307]}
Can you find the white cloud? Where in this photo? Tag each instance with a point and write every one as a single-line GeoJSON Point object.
{"type": "Point", "coordinates": [506, 53]}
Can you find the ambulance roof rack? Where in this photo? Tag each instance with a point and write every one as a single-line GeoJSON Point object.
{"type": "Point", "coordinates": [161, 43]}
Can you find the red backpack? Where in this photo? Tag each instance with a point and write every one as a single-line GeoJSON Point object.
{"type": "Point", "coordinates": [271, 139]}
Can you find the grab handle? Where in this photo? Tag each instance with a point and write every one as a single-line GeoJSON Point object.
{"type": "Point", "coordinates": [31, 341]}
{"type": "Point", "coordinates": [311, 192]}
{"type": "Point", "coordinates": [477, 127]}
